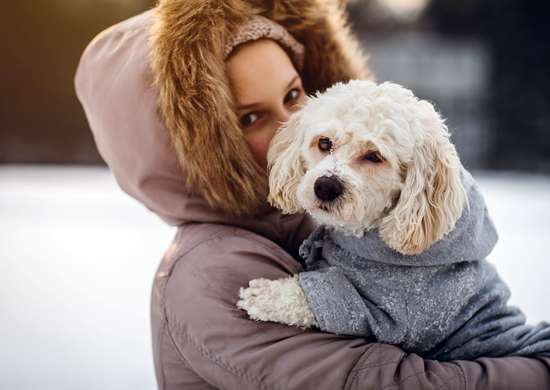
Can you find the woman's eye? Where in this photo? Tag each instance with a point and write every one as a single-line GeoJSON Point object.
{"type": "Point", "coordinates": [374, 157]}
{"type": "Point", "coordinates": [325, 144]}
{"type": "Point", "coordinates": [292, 95]}
{"type": "Point", "coordinates": [249, 119]}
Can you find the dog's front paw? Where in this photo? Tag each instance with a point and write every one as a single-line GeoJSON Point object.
{"type": "Point", "coordinates": [279, 300]}
{"type": "Point", "coordinates": [255, 299]}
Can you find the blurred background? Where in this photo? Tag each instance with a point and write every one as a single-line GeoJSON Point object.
{"type": "Point", "coordinates": [484, 63]}
{"type": "Point", "coordinates": [77, 256]}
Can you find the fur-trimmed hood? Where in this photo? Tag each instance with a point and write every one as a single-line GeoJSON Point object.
{"type": "Point", "coordinates": [195, 100]}
{"type": "Point", "coordinates": [157, 100]}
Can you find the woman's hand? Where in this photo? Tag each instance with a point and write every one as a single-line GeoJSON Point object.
{"type": "Point", "coordinates": [281, 300]}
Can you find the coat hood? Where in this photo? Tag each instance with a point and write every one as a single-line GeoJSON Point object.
{"type": "Point", "coordinates": [157, 101]}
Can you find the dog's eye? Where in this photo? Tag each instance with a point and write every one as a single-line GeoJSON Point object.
{"type": "Point", "coordinates": [325, 144]}
{"type": "Point", "coordinates": [374, 157]}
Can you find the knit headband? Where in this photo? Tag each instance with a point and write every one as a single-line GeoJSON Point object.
{"type": "Point", "coordinates": [260, 27]}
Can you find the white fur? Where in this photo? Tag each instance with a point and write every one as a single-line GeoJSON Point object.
{"type": "Point", "coordinates": [414, 196]}
{"type": "Point", "coordinates": [279, 300]}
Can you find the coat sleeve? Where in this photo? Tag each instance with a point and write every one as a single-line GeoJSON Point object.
{"type": "Point", "coordinates": [229, 351]}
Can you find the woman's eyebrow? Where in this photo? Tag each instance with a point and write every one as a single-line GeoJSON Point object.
{"type": "Point", "coordinates": [242, 107]}
{"type": "Point", "coordinates": [246, 106]}
{"type": "Point", "coordinates": [292, 81]}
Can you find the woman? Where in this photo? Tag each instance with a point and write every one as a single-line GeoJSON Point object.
{"type": "Point", "coordinates": [199, 163]}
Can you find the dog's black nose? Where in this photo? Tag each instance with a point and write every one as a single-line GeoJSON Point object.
{"type": "Point", "coordinates": [328, 188]}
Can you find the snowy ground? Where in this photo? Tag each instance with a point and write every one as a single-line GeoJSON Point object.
{"type": "Point", "coordinates": [77, 258]}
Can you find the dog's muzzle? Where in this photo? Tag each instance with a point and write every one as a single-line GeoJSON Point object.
{"type": "Point", "coordinates": [327, 188]}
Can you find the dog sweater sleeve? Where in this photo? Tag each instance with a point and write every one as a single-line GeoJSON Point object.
{"type": "Point", "coordinates": [336, 304]}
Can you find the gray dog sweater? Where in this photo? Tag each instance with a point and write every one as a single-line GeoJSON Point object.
{"type": "Point", "coordinates": [446, 303]}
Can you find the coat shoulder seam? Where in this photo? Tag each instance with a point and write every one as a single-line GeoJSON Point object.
{"type": "Point", "coordinates": [201, 348]}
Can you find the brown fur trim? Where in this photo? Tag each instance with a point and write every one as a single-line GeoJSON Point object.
{"type": "Point", "coordinates": [194, 98]}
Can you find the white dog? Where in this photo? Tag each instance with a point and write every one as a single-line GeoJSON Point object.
{"type": "Point", "coordinates": [400, 254]}
{"type": "Point", "coordinates": [347, 158]}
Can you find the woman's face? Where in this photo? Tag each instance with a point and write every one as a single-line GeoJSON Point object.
{"type": "Point", "coordinates": [266, 90]}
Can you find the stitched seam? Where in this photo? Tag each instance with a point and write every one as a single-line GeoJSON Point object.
{"type": "Point", "coordinates": [217, 235]}
{"type": "Point", "coordinates": [216, 360]}
{"type": "Point", "coordinates": [176, 349]}
{"type": "Point", "coordinates": [445, 383]}
{"type": "Point", "coordinates": [378, 365]}
{"type": "Point", "coordinates": [381, 364]}
{"type": "Point", "coordinates": [197, 346]}
{"type": "Point", "coordinates": [416, 374]}
{"type": "Point", "coordinates": [447, 380]}
{"type": "Point", "coordinates": [236, 232]}
{"type": "Point", "coordinates": [402, 380]}
{"type": "Point", "coordinates": [162, 303]}
{"type": "Point", "coordinates": [165, 319]}
{"type": "Point", "coordinates": [355, 372]}
{"type": "Point", "coordinates": [159, 346]}
{"type": "Point", "coordinates": [439, 379]}
{"type": "Point", "coordinates": [463, 376]}
{"type": "Point", "coordinates": [200, 275]}
{"type": "Point", "coordinates": [270, 247]}
{"type": "Point", "coordinates": [418, 380]}
{"type": "Point", "coordinates": [182, 358]}
{"type": "Point", "coordinates": [162, 330]}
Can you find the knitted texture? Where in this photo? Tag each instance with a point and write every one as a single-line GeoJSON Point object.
{"type": "Point", "coordinates": [258, 27]}
{"type": "Point", "coordinates": [446, 303]}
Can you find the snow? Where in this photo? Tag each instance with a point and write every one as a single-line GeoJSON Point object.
{"type": "Point", "coordinates": [77, 259]}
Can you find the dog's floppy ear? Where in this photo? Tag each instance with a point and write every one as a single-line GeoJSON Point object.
{"type": "Point", "coordinates": [286, 165]}
{"type": "Point", "coordinates": [432, 198]}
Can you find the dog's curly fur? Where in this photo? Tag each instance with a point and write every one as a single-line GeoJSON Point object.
{"type": "Point", "coordinates": [414, 196]}
{"type": "Point", "coordinates": [194, 98]}
{"type": "Point", "coordinates": [281, 300]}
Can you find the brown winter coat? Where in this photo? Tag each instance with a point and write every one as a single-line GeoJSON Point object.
{"type": "Point", "coordinates": [188, 163]}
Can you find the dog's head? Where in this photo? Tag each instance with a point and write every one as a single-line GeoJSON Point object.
{"type": "Point", "coordinates": [363, 155]}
